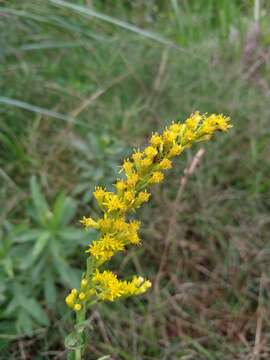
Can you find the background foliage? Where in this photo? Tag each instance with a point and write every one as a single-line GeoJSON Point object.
{"type": "Point", "coordinates": [82, 83]}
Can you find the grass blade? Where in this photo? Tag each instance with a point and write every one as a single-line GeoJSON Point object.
{"type": "Point", "coordinates": [123, 24]}
{"type": "Point", "coordinates": [35, 109]}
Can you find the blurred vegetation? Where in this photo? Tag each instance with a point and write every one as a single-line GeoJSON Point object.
{"type": "Point", "coordinates": [82, 83]}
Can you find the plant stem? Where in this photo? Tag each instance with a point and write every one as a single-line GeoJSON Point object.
{"type": "Point", "coordinates": [78, 354]}
{"type": "Point", "coordinates": [80, 317]}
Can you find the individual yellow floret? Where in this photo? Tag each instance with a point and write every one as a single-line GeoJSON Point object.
{"type": "Point", "coordinates": [220, 122]}
{"type": "Point", "coordinates": [165, 164]}
{"type": "Point", "coordinates": [120, 185]}
{"type": "Point", "coordinates": [143, 196]}
{"type": "Point", "coordinates": [109, 287]}
{"type": "Point", "coordinates": [129, 196]}
{"type": "Point", "coordinates": [134, 238]}
{"type": "Point", "coordinates": [104, 248]}
{"type": "Point", "coordinates": [70, 300]}
{"type": "Point", "coordinates": [189, 136]}
{"type": "Point", "coordinates": [137, 156]}
{"type": "Point", "coordinates": [99, 194]}
{"type": "Point", "coordinates": [146, 162]}
{"type": "Point", "coordinates": [119, 225]}
{"type": "Point", "coordinates": [132, 180]}
{"type": "Point", "coordinates": [82, 296]}
{"type": "Point", "coordinates": [175, 150]}
{"type": "Point", "coordinates": [175, 127]}
{"type": "Point", "coordinates": [169, 136]}
{"type": "Point", "coordinates": [156, 177]}
{"type": "Point", "coordinates": [156, 140]}
{"type": "Point", "coordinates": [144, 287]}
{"type": "Point", "coordinates": [150, 151]}
{"type": "Point", "coordinates": [105, 224]}
{"type": "Point", "coordinates": [88, 222]}
{"type": "Point", "coordinates": [134, 225]}
{"type": "Point", "coordinates": [84, 283]}
{"type": "Point", "coordinates": [113, 203]}
{"type": "Point", "coordinates": [77, 307]}
{"type": "Point", "coordinates": [74, 292]}
{"type": "Point", "coordinates": [215, 122]}
{"type": "Point", "coordinates": [194, 120]}
{"type": "Point", "coordinates": [127, 167]}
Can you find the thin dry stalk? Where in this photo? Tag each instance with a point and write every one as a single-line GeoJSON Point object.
{"type": "Point", "coordinates": [183, 182]}
{"type": "Point", "coordinates": [89, 101]}
{"type": "Point", "coordinates": [260, 312]}
{"type": "Point", "coordinates": [161, 70]}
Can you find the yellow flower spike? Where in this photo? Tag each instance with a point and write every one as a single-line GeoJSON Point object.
{"type": "Point", "coordinates": [156, 177]}
{"type": "Point", "coordinates": [165, 164]}
{"type": "Point", "coordinates": [115, 232]}
{"type": "Point", "coordinates": [77, 307]}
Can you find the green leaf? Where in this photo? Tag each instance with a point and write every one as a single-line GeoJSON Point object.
{"type": "Point", "coordinates": [76, 236]}
{"type": "Point", "coordinates": [40, 244]}
{"type": "Point", "coordinates": [33, 308]}
{"type": "Point", "coordinates": [68, 275]}
{"type": "Point", "coordinates": [26, 235]}
{"type": "Point", "coordinates": [72, 341]}
{"type": "Point", "coordinates": [63, 210]}
{"type": "Point", "coordinates": [24, 323]}
{"type": "Point", "coordinates": [49, 289]}
{"type": "Point", "coordinates": [8, 266]}
{"type": "Point", "coordinates": [80, 327]}
{"type": "Point", "coordinates": [39, 200]}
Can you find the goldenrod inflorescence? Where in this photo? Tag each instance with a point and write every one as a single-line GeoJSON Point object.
{"type": "Point", "coordinates": [142, 170]}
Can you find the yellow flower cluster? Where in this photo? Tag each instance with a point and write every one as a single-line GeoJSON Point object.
{"type": "Point", "coordinates": [109, 287]}
{"type": "Point", "coordinates": [141, 171]}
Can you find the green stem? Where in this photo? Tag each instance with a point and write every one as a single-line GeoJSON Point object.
{"type": "Point", "coordinates": [78, 354]}
{"type": "Point", "coordinates": [80, 317]}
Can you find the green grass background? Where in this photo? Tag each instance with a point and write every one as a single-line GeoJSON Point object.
{"type": "Point", "coordinates": [82, 84]}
